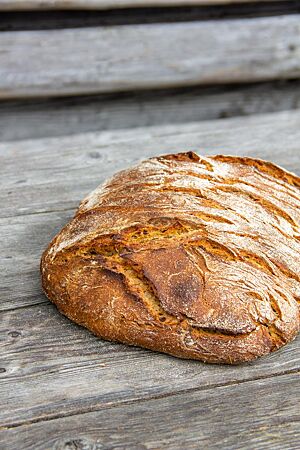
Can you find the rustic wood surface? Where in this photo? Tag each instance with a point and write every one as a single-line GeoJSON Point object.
{"type": "Point", "coordinates": [45, 352]}
{"type": "Point", "coordinates": [256, 415]}
{"type": "Point", "coordinates": [63, 170]}
{"type": "Point", "coordinates": [61, 387]}
{"type": "Point", "coordinates": [71, 115]}
{"type": "Point", "coordinates": [118, 58]}
{"type": "Point", "coordinates": [10, 5]}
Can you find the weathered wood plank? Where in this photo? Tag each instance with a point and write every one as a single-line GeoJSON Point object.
{"type": "Point", "coordinates": [109, 59]}
{"type": "Point", "coordinates": [45, 352]}
{"type": "Point", "coordinates": [13, 5]}
{"type": "Point", "coordinates": [64, 169]}
{"type": "Point", "coordinates": [72, 115]}
{"type": "Point", "coordinates": [22, 241]}
{"type": "Point", "coordinates": [263, 415]}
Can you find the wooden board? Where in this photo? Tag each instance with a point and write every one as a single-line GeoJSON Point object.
{"type": "Point", "coordinates": [13, 5]}
{"type": "Point", "coordinates": [71, 115]}
{"type": "Point", "coordinates": [63, 388]}
{"type": "Point", "coordinates": [120, 58]}
{"type": "Point", "coordinates": [238, 416]}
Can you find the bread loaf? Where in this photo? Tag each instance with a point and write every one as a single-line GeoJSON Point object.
{"type": "Point", "coordinates": [192, 256]}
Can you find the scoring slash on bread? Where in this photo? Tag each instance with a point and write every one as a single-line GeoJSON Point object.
{"type": "Point", "coordinates": [197, 257]}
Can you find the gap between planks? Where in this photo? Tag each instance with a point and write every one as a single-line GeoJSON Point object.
{"type": "Point", "coordinates": [42, 302]}
{"type": "Point", "coordinates": [51, 19]}
{"type": "Point", "coordinates": [32, 119]}
{"type": "Point", "coordinates": [17, 5]}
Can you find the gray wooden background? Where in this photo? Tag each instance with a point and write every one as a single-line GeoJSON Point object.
{"type": "Point", "coordinates": [88, 88]}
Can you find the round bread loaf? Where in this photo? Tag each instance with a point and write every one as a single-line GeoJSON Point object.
{"type": "Point", "coordinates": [197, 257]}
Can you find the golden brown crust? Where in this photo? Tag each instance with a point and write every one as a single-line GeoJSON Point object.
{"type": "Point", "coordinates": [196, 257]}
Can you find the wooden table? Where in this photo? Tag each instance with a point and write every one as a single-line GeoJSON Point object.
{"type": "Point", "coordinates": [61, 387]}
{"type": "Point", "coordinates": [82, 95]}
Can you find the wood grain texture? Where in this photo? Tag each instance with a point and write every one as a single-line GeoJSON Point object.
{"type": "Point", "coordinates": [111, 59]}
{"type": "Point", "coordinates": [63, 170]}
{"type": "Point", "coordinates": [72, 115]}
{"type": "Point", "coordinates": [45, 352]}
{"type": "Point", "coordinates": [23, 240]}
{"type": "Point", "coordinates": [241, 416]}
{"type": "Point", "coordinates": [66, 168]}
{"type": "Point", "coordinates": [14, 5]}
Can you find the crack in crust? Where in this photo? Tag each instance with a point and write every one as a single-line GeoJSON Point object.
{"type": "Point", "coordinates": [275, 172]}
{"type": "Point", "coordinates": [137, 284]}
{"type": "Point", "coordinates": [268, 206]}
{"type": "Point", "coordinates": [195, 245]}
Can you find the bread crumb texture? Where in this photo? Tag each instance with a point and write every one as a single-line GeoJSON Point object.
{"type": "Point", "coordinates": [197, 257]}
